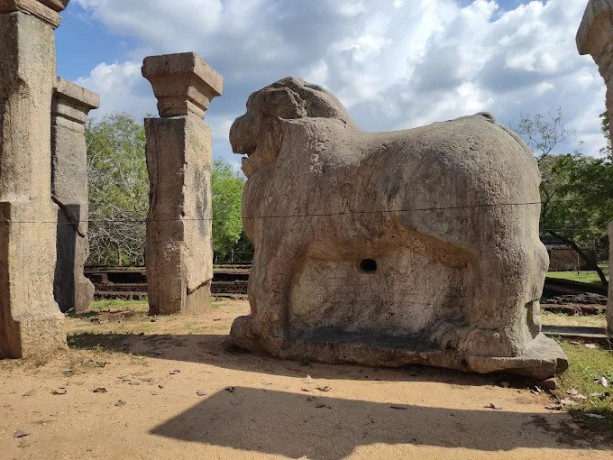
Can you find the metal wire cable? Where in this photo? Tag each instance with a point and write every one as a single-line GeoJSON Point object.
{"type": "Point", "coordinates": [292, 216]}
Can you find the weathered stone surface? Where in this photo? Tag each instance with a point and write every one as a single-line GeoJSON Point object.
{"type": "Point", "coordinates": [595, 37]}
{"type": "Point", "coordinates": [46, 10]}
{"type": "Point", "coordinates": [418, 246]}
{"type": "Point", "coordinates": [182, 83]}
{"type": "Point", "coordinates": [610, 300]}
{"type": "Point", "coordinates": [596, 28]}
{"type": "Point", "coordinates": [30, 320]}
{"type": "Point", "coordinates": [71, 104]}
{"type": "Point", "coordinates": [179, 254]}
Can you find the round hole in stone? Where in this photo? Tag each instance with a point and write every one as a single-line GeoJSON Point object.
{"type": "Point", "coordinates": [368, 266]}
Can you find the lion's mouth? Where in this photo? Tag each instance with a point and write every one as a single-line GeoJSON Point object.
{"type": "Point", "coordinates": [245, 161]}
{"type": "Point", "coordinates": [244, 149]}
{"type": "Point", "coordinates": [248, 151]}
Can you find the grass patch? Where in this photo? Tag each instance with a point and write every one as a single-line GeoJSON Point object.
{"type": "Point", "coordinates": [120, 304]}
{"type": "Point", "coordinates": [98, 343]}
{"type": "Point", "coordinates": [305, 362]}
{"type": "Point", "coordinates": [40, 362]}
{"type": "Point", "coordinates": [139, 361]}
{"type": "Point", "coordinates": [561, 319]}
{"type": "Point", "coordinates": [194, 328]}
{"type": "Point", "coordinates": [585, 366]}
{"type": "Point", "coordinates": [584, 276]}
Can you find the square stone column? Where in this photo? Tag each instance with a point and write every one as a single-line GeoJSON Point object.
{"type": "Point", "coordinates": [30, 320]}
{"type": "Point", "coordinates": [71, 104]}
{"type": "Point", "coordinates": [179, 254]}
{"type": "Point", "coordinates": [610, 298]}
{"type": "Point", "coordinates": [595, 37]}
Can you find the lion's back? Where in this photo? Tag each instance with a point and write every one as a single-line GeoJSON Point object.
{"type": "Point", "coordinates": [466, 159]}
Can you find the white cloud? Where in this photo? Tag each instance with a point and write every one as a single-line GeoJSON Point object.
{"type": "Point", "coordinates": [161, 23]}
{"type": "Point", "coordinates": [393, 64]}
{"type": "Point", "coordinates": [122, 89]}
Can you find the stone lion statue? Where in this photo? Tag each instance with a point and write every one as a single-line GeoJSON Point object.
{"type": "Point", "coordinates": [417, 246]}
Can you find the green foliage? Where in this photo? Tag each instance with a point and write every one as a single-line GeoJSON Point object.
{"type": "Point", "coordinates": [243, 251]}
{"type": "Point", "coordinates": [574, 189]}
{"type": "Point", "coordinates": [118, 196]}
{"type": "Point", "coordinates": [118, 190]}
{"type": "Point", "coordinates": [576, 193]}
{"type": "Point", "coordinates": [605, 126]}
{"type": "Point", "coordinates": [585, 367]}
{"type": "Point", "coordinates": [227, 188]}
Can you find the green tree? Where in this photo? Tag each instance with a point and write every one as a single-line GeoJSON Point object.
{"type": "Point", "coordinates": [118, 190]}
{"type": "Point", "coordinates": [118, 196]}
{"type": "Point", "coordinates": [605, 127]}
{"type": "Point", "coordinates": [575, 189]}
{"type": "Point", "coordinates": [227, 188]}
{"type": "Point", "coordinates": [543, 132]}
{"type": "Point", "coordinates": [243, 250]}
{"type": "Point", "coordinates": [576, 205]}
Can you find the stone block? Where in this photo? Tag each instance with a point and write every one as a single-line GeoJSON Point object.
{"type": "Point", "coordinates": [179, 251]}
{"type": "Point", "coordinates": [596, 28]}
{"type": "Point", "coordinates": [610, 298]}
{"type": "Point", "coordinates": [387, 249]}
{"type": "Point", "coordinates": [179, 226]}
{"type": "Point", "coordinates": [45, 10]}
{"type": "Point", "coordinates": [30, 321]}
{"type": "Point", "coordinates": [595, 37]}
{"type": "Point", "coordinates": [71, 104]}
{"type": "Point", "coordinates": [182, 83]}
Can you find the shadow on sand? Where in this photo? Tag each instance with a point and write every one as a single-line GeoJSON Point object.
{"type": "Point", "coordinates": [266, 421]}
{"type": "Point", "coordinates": [212, 349]}
{"type": "Point", "coordinates": [319, 427]}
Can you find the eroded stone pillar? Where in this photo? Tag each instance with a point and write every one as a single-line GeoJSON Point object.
{"type": "Point", "coordinates": [71, 104]}
{"type": "Point", "coordinates": [595, 37]}
{"type": "Point", "coordinates": [610, 298]}
{"type": "Point", "coordinates": [179, 254]}
{"type": "Point", "coordinates": [30, 320]}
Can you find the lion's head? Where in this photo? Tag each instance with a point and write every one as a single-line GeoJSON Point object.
{"type": "Point", "coordinates": [259, 132]}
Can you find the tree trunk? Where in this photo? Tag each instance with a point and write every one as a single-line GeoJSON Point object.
{"type": "Point", "coordinates": [590, 262]}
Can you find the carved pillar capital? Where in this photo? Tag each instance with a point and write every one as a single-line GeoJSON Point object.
{"type": "Point", "coordinates": [73, 102]}
{"type": "Point", "coordinates": [182, 83]}
{"type": "Point", "coordinates": [46, 10]}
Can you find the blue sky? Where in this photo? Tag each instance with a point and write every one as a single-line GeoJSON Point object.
{"type": "Point", "coordinates": [83, 43]}
{"type": "Point", "coordinates": [394, 64]}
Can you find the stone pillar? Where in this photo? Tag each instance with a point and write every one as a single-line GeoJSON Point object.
{"type": "Point", "coordinates": [30, 321]}
{"type": "Point", "coordinates": [595, 37]}
{"type": "Point", "coordinates": [610, 298]}
{"type": "Point", "coordinates": [71, 104]}
{"type": "Point", "coordinates": [179, 255]}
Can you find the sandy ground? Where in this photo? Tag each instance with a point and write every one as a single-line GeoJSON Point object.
{"type": "Point", "coordinates": [172, 389]}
